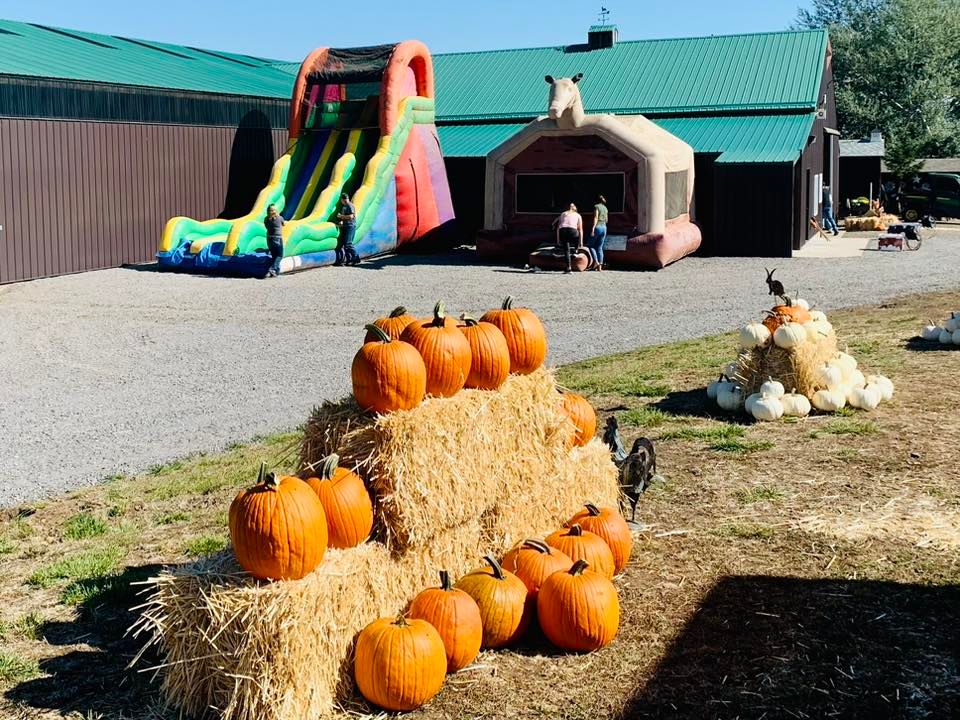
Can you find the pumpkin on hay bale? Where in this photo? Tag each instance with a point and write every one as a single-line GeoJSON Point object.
{"type": "Point", "coordinates": [452, 480]}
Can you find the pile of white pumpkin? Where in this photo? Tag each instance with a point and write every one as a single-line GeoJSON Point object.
{"type": "Point", "coordinates": [946, 334]}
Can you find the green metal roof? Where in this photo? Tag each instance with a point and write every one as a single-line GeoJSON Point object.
{"type": "Point", "coordinates": [35, 50]}
{"type": "Point", "coordinates": [738, 139]}
{"type": "Point", "coordinates": [730, 73]}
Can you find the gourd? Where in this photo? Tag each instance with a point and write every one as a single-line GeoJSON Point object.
{"type": "Point", "coordinates": [848, 360]}
{"type": "Point", "coordinates": [829, 400]}
{"type": "Point", "coordinates": [445, 351]}
{"type": "Point", "coordinates": [489, 354]}
{"type": "Point", "coordinates": [782, 314]}
{"type": "Point", "coordinates": [953, 324]}
{"type": "Point", "coordinates": [931, 332]}
{"type": "Point", "coordinates": [884, 383]}
{"type": "Point", "coordinates": [278, 528]}
{"type": "Point", "coordinates": [526, 338]}
{"type": "Point", "coordinates": [579, 544]}
{"type": "Point", "coordinates": [946, 337]}
{"type": "Point", "coordinates": [818, 316]}
{"type": "Point", "coordinates": [609, 525]}
{"type": "Point", "coordinates": [749, 402]}
{"type": "Point", "coordinates": [956, 337]}
{"type": "Point", "coordinates": [582, 415]}
{"type": "Point", "coordinates": [502, 599]}
{"type": "Point", "coordinates": [767, 408]}
{"type": "Point", "coordinates": [533, 561]}
{"type": "Point", "coordinates": [829, 376]}
{"type": "Point", "coordinates": [455, 616]}
{"type": "Point", "coordinates": [817, 330]}
{"type": "Point", "coordinates": [393, 324]}
{"type": "Point", "coordinates": [730, 399]}
{"type": "Point", "coordinates": [346, 503]}
{"type": "Point", "coordinates": [388, 374]}
{"type": "Point", "coordinates": [795, 405]}
{"type": "Point", "coordinates": [865, 398]}
{"type": "Point", "coordinates": [772, 388]}
{"type": "Point", "coordinates": [716, 386]}
{"type": "Point", "coordinates": [790, 335]}
{"type": "Point", "coordinates": [754, 335]}
{"type": "Point", "coordinates": [579, 609]}
{"type": "Point", "coordinates": [399, 664]}
{"type": "Point", "coordinates": [856, 379]}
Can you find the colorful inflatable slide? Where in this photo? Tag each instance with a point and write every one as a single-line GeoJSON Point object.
{"type": "Point", "coordinates": [361, 122]}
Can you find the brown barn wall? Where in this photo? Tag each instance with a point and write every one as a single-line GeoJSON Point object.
{"type": "Point", "coordinates": [82, 195]}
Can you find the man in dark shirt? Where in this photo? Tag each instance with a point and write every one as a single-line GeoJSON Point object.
{"type": "Point", "coordinates": [346, 253]}
{"type": "Point", "coordinates": [274, 224]}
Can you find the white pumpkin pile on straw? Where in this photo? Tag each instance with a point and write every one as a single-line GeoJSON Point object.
{"type": "Point", "coordinates": [946, 333]}
{"type": "Point", "coordinates": [802, 357]}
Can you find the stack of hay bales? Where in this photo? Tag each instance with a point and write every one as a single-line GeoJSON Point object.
{"type": "Point", "coordinates": [869, 222]}
{"type": "Point", "coordinates": [452, 479]}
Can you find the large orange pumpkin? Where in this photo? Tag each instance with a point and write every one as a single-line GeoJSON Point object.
{"type": "Point", "coordinates": [445, 352]}
{"type": "Point", "coordinates": [388, 374]}
{"type": "Point", "coordinates": [609, 524]}
{"type": "Point", "coordinates": [526, 338]}
{"type": "Point", "coordinates": [455, 616]}
{"type": "Point", "coordinates": [278, 528]}
{"type": "Point", "coordinates": [578, 609]}
{"type": "Point", "coordinates": [584, 417]}
{"type": "Point", "coordinates": [781, 314]}
{"type": "Point", "coordinates": [502, 599]}
{"type": "Point", "coordinates": [533, 561]}
{"type": "Point", "coordinates": [399, 664]}
{"type": "Point", "coordinates": [490, 356]}
{"type": "Point", "coordinates": [346, 503]}
{"type": "Point", "coordinates": [580, 544]}
{"type": "Point", "coordinates": [393, 324]}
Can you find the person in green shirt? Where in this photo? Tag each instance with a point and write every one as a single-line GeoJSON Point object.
{"type": "Point", "coordinates": [598, 234]}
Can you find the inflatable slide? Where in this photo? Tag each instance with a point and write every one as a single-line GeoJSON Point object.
{"type": "Point", "coordinates": [361, 122]}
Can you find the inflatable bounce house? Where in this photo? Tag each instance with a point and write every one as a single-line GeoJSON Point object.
{"type": "Point", "coordinates": [645, 173]}
{"type": "Point", "coordinates": [361, 122]}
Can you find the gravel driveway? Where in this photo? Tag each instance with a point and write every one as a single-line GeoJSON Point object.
{"type": "Point", "coordinates": [117, 370]}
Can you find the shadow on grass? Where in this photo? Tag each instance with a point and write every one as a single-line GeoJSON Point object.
{"type": "Point", "coordinates": [695, 403]}
{"type": "Point", "coordinates": [918, 344]}
{"type": "Point", "coordinates": [93, 682]}
{"type": "Point", "coordinates": [788, 647]}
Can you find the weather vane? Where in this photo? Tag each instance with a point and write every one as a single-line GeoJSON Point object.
{"type": "Point", "coordinates": [604, 15]}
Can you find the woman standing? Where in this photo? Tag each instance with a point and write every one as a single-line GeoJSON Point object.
{"type": "Point", "coordinates": [570, 233]}
{"type": "Point", "coordinates": [598, 235]}
{"type": "Point", "coordinates": [274, 224]}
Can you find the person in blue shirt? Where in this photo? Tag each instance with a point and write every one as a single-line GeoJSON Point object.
{"type": "Point", "coordinates": [829, 222]}
{"type": "Point", "coordinates": [347, 216]}
{"type": "Point", "coordinates": [274, 224]}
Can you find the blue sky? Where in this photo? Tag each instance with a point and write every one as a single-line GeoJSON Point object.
{"type": "Point", "coordinates": [288, 31]}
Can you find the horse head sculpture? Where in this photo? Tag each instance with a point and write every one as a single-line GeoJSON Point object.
{"type": "Point", "coordinates": [566, 105]}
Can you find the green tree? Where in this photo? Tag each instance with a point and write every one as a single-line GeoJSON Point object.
{"type": "Point", "coordinates": [896, 65]}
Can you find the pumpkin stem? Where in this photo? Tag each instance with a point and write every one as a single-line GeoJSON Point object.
{"type": "Point", "coordinates": [468, 320]}
{"type": "Point", "coordinates": [439, 314]}
{"type": "Point", "coordinates": [329, 466]}
{"type": "Point", "coordinates": [578, 567]}
{"type": "Point", "coordinates": [576, 530]}
{"type": "Point", "coordinates": [508, 303]}
{"type": "Point", "coordinates": [592, 509]}
{"type": "Point", "coordinates": [537, 545]}
{"type": "Point", "coordinates": [495, 566]}
{"type": "Point", "coordinates": [268, 480]}
{"type": "Point", "coordinates": [398, 311]}
{"type": "Point", "coordinates": [378, 332]}
{"type": "Point", "coordinates": [445, 582]}
{"type": "Point", "coordinates": [262, 475]}
{"type": "Point", "coordinates": [401, 621]}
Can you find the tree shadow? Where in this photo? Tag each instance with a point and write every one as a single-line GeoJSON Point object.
{"type": "Point", "coordinates": [93, 680]}
{"type": "Point", "coordinates": [251, 159]}
{"type": "Point", "coordinates": [782, 647]}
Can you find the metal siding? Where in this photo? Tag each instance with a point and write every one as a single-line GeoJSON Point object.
{"type": "Point", "coordinates": [82, 196]}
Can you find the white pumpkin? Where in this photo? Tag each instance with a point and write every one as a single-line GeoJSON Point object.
{"type": "Point", "coordinates": [790, 335]}
{"type": "Point", "coordinates": [772, 388]}
{"type": "Point", "coordinates": [751, 399]}
{"type": "Point", "coordinates": [946, 337]}
{"type": "Point", "coordinates": [829, 376]}
{"type": "Point", "coordinates": [864, 398]}
{"type": "Point", "coordinates": [931, 332]}
{"type": "Point", "coordinates": [767, 408]}
{"type": "Point", "coordinates": [952, 325]}
{"type": "Point", "coordinates": [714, 388]}
{"type": "Point", "coordinates": [754, 335]}
{"type": "Point", "coordinates": [855, 379]}
{"type": "Point", "coordinates": [884, 383]}
{"type": "Point", "coordinates": [818, 316]}
{"type": "Point", "coordinates": [801, 303]}
{"type": "Point", "coordinates": [795, 405]}
{"type": "Point", "coordinates": [730, 399]}
{"type": "Point", "coordinates": [817, 330]}
{"type": "Point", "coordinates": [829, 400]}
{"type": "Point", "coordinates": [846, 359]}
{"type": "Point", "coordinates": [956, 337]}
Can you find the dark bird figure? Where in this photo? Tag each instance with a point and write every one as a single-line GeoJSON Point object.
{"type": "Point", "coordinates": [775, 286]}
{"type": "Point", "coordinates": [611, 436]}
{"type": "Point", "coordinates": [637, 472]}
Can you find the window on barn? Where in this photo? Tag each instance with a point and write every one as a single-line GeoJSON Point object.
{"type": "Point", "coordinates": [544, 193]}
{"type": "Point", "coordinates": [676, 189]}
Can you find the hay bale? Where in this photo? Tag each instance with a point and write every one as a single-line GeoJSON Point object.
{"type": "Point", "coordinates": [795, 367]}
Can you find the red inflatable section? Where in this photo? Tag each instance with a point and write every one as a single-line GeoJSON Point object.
{"type": "Point", "coordinates": [416, 210]}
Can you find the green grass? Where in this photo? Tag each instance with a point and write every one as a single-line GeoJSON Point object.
{"type": "Point", "coordinates": [846, 426]}
{"type": "Point", "coordinates": [717, 433]}
{"type": "Point", "coordinates": [645, 417]}
{"type": "Point", "coordinates": [205, 545]}
{"type": "Point", "coordinates": [91, 564]}
{"type": "Point", "coordinates": [29, 626]}
{"type": "Point", "coordinates": [745, 531]}
{"type": "Point", "coordinates": [118, 589]}
{"type": "Point", "coordinates": [762, 493]}
{"type": "Point", "coordinates": [82, 526]}
{"type": "Point", "coordinates": [743, 447]}
{"type": "Point", "coordinates": [173, 518]}
{"type": "Point", "coordinates": [7, 545]}
{"type": "Point", "coordinates": [15, 668]}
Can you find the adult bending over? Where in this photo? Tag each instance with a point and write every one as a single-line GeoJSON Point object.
{"type": "Point", "coordinates": [598, 235]}
{"type": "Point", "coordinates": [570, 233]}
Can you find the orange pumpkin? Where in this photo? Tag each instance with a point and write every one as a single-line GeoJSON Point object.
{"type": "Point", "coordinates": [399, 664]}
{"type": "Point", "coordinates": [781, 314]}
{"type": "Point", "coordinates": [502, 599]}
{"type": "Point", "coordinates": [580, 544]}
{"type": "Point", "coordinates": [579, 609]}
{"type": "Point", "coordinates": [455, 616]}
{"type": "Point", "coordinates": [584, 417]}
{"type": "Point", "coordinates": [388, 374]}
{"type": "Point", "coordinates": [393, 324]}
{"type": "Point", "coordinates": [278, 528]}
{"type": "Point", "coordinates": [490, 356]}
{"type": "Point", "coordinates": [346, 503]}
{"type": "Point", "coordinates": [609, 524]}
{"type": "Point", "coordinates": [526, 338]}
{"type": "Point", "coordinates": [445, 352]}
{"type": "Point", "coordinates": [533, 561]}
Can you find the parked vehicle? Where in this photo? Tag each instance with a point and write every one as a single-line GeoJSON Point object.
{"type": "Point", "coordinates": [931, 194]}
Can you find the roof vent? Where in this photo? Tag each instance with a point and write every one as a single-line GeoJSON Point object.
{"type": "Point", "coordinates": [876, 136]}
{"type": "Point", "coordinates": [602, 36]}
